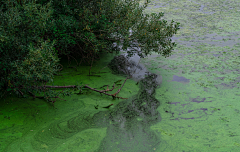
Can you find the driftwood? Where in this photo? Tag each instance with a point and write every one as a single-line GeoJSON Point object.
{"type": "Point", "coordinates": [100, 91]}
{"type": "Point", "coordinates": [74, 86]}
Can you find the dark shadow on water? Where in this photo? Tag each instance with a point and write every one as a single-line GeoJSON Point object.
{"type": "Point", "coordinates": [130, 121]}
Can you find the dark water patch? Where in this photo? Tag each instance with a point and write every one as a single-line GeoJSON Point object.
{"type": "Point", "coordinates": [216, 55]}
{"type": "Point", "coordinates": [175, 103]}
{"type": "Point", "coordinates": [180, 79]}
{"type": "Point", "coordinates": [199, 101]}
{"type": "Point", "coordinates": [231, 85]}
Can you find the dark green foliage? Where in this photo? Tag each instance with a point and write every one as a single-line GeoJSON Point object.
{"type": "Point", "coordinates": [34, 33]}
{"type": "Point", "coordinates": [26, 59]}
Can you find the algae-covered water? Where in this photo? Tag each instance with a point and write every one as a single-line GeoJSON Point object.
{"type": "Point", "coordinates": [201, 79]}
{"type": "Point", "coordinates": [199, 94]}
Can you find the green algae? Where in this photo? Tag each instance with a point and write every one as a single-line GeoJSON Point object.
{"type": "Point", "coordinates": [207, 55]}
{"type": "Point", "coordinates": [199, 93]}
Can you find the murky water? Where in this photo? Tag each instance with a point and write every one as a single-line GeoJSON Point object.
{"type": "Point", "coordinates": [196, 105]}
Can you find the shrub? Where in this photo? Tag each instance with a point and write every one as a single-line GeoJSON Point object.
{"type": "Point", "coordinates": [34, 33]}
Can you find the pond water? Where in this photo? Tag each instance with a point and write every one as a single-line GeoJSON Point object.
{"type": "Point", "coordinates": [201, 79]}
{"type": "Point", "coordinates": [194, 108]}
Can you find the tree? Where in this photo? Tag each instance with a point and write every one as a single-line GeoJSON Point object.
{"type": "Point", "coordinates": [32, 38]}
{"type": "Point", "coordinates": [26, 59]}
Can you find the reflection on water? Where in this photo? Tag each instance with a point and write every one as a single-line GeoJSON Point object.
{"type": "Point", "coordinates": [127, 124]}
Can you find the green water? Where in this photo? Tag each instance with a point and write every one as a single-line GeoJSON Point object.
{"type": "Point", "coordinates": [199, 91]}
{"type": "Point", "coordinates": [201, 79]}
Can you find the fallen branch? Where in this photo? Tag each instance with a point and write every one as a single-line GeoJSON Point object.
{"type": "Point", "coordinates": [100, 91]}
{"type": "Point", "coordinates": [74, 86]}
